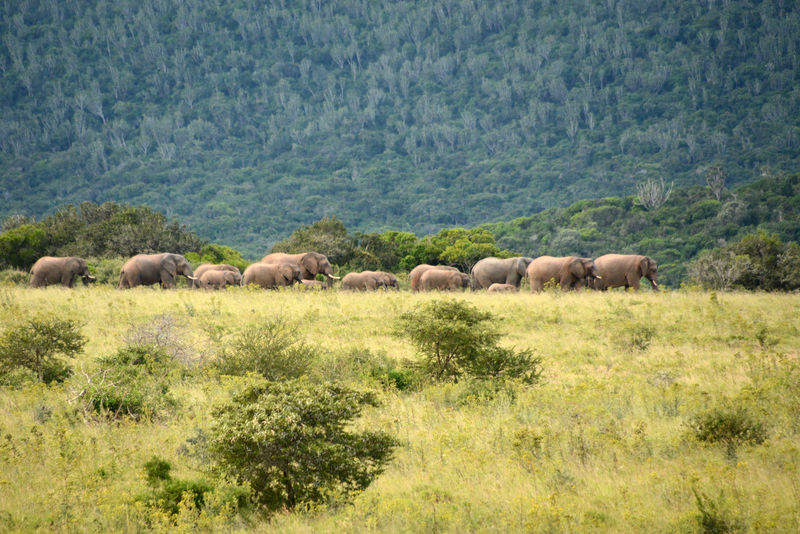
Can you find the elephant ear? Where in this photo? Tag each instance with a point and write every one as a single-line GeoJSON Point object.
{"type": "Point", "coordinates": [310, 264]}
{"type": "Point", "coordinates": [286, 272]}
{"type": "Point", "coordinates": [644, 266]}
{"type": "Point", "coordinates": [169, 265]}
{"type": "Point", "coordinates": [576, 268]}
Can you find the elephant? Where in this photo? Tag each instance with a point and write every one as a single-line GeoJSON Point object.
{"type": "Point", "coordinates": [49, 270]}
{"type": "Point", "coordinates": [492, 270]}
{"type": "Point", "coordinates": [364, 281]}
{"type": "Point", "coordinates": [625, 270]}
{"type": "Point", "coordinates": [502, 288]}
{"type": "Point", "coordinates": [311, 264]}
{"type": "Point", "coordinates": [569, 272]}
{"type": "Point", "coordinates": [150, 269]}
{"type": "Point", "coordinates": [198, 273]}
{"type": "Point", "coordinates": [417, 272]}
{"type": "Point", "coordinates": [311, 285]}
{"type": "Point", "coordinates": [272, 276]}
{"type": "Point", "coordinates": [218, 279]}
{"type": "Point", "coordinates": [443, 280]}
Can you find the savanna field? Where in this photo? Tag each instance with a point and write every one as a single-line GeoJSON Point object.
{"type": "Point", "coordinates": [627, 430]}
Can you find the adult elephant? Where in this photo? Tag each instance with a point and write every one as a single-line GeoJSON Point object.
{"type": "Point", "coordinates": [618, 270]}
{"type": "Point", "coordinates": [493, 270]}
{"type": "Point", "coordinates": [388, 279]}
{"type": "Point", "coordinates": [311, 264]}
{"type": "Point", "coordinates": [443, 280]}
{"type": "Point", "coordinates": [50, 270]}
{"type": "Point", "coordinates": [569, 272]}
{"type": "Point", "coordinates": [198, 273]}
{"type": "Point", "coordinates": [363, 281]}
{"type": "Point", "coordinates": [218, 279]}
{"type": "Point", "coordinates": [272, 276]}
{"type": "Point", "coordinates": [417, 272]}
{"type": "Point", "coordinates": [150, 269]}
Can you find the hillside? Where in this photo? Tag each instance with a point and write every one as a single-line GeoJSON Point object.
{"type": "Point", "coordinates": [249, 119]}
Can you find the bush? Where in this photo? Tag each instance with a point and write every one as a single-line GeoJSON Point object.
{"type": "Point", "coordinates": [731, 426]}
{"type": "Point", "coordinates": [289, 442]}
{"type": "Point", "coordinates": [168, 493]}
{"type": "Point", "coordinates": [36, 344]}
{"type": "Point", "coordinates": [271, 348]}
{"type": "Point", "coordinates": [164, 333]}
{"type": "Point", "coordinates": [132, 382]}
{"type": "Point", "coordinates": [455, 339]}
{"type": "Point", "coordinates": [14, 277]}
{"type": "Point", "coordinates": [364, 365]}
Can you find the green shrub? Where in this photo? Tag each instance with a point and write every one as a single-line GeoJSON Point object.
{"type": "Point", "coordinates": [713, 518]}
{"type": "Point", "coordinates": [731, 426]}
{"type": "Point", "coordinates": [168, 493]}
{"type": "Point", "coordinates": [106, 270]}
{"type": "Point", "coordinates": [361, 364]}
{"type": "Point", "coordinates": [633, 336]}
{"type": "Point", "coordinates": [271, 348]}
{"type": "Point", "coordinates": [36, 344]}
{"type": "Point", "coordinates": [291, 443]}
{"type": "Point", "coordinates": [455, 339]}
{"type": "Point", "coordinates": [133, 382]}
{"type": "Point", "coordinates": [14, 277]}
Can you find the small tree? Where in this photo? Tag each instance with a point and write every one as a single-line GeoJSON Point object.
{"type": "Point", "coordinates": [715, 178]}
{"type": "Point", "coordinates": [289, 441]}
{"type": "Point", "coordinates": [456, 339]}
{"type": "Point", "coordinates": [653, 194]}
{"type": "Point", "coordinates": [36, 345]}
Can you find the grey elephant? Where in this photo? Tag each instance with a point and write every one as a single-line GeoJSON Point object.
{"type": "Point", "coordinates": [198, 272]}
{"type": "Point", "coordinates": [443, 280]}
{"type": "Point", "coordinates": [417, 272]}
{"type": "Point", "coordinates": [493, 270]}
{"type": "Point", "coordinates": [311, 264]}
{"type": "Point", "coordinates": [218, 279]}
{"type": "Point", "coordinates": [569, 272]}
{"type": "Point", "coordinates": [502, 288]}
{"type": "Point", "coordinates": [272, 276]}
{"type": "Point", "coordinates": [150, 269]}
{"type": "Point", "coordinates": [625, 270]}
{"type": "Point", "coordinates": [363, 281]}
{"type": "Point", "coordinates": [50, 270]}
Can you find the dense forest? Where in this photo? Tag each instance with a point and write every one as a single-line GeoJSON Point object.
{"type": "Point", "coordinates": [247, 119]}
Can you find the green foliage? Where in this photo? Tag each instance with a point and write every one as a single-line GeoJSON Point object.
{"type": "Point", "coordinates": [272, 348]}
{"type": "Point", "coordinates": [364, 365]}
{"type": "Point", "coordinates": [14, 277]}
{"type": "Point", "coordinates": [216, 254]}
{"type": "Point", "coordinates": [757, 261]}
{"type": "Point", "coordinates": [289, 441]}
{"type": "Point", "coordinates": [455, 339]}
{"type": "Point", "coordinates": [262, 120]}
{"type": "Point", "coordinates": [731, 426]}
{"type": "Point", "coordinates": [169, 493]}
{"type": "Point", "coordinates": [713, 518]}
{"type": "Point", "coordinates": [20, 247]}
{"type": "Point", "coordinates": [92, 230]}
{"type": "Point", "coordinates": [327, 236]}
{"type": "Point", "coordinates": [133, 382]}
{"type": "Point", "coordinates": [36, 345]}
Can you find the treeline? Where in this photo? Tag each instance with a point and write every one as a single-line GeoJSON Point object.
{"type": "Point", "coordinates": [252, 118]}
{"type": "Point", "coordinates": [691, 224]}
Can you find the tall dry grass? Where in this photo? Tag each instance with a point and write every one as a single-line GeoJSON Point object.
{"type": "Point", "coordinates": [601, 444]}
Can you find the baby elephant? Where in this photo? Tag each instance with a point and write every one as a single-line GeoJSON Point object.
{"type": "Point", "coordinates": [218, 279]}
{"type": "Point", "coordinates": [503, 288]}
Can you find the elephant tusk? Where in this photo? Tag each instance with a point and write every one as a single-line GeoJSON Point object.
{"type": "Point", "coordinates": [333, 277]}
{"type": "Point", "coordinates": [191, 277]}
{"type": "Point", "coordinates": [599, 277]}
{"type": "Point", "coordinates": [655, 284]}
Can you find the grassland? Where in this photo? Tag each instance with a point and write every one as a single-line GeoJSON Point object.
{"type": "Point", "coordinates": [602, 443]}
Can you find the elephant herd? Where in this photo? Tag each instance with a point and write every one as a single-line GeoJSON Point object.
{"type": "Point", "coordinates": [283, 270]}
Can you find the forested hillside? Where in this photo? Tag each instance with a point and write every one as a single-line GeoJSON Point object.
{"type": "Point", "coordinates": [248, 118]}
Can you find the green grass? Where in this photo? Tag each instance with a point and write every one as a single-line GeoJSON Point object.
{"type": "Point", "coordinates": [602, 443]}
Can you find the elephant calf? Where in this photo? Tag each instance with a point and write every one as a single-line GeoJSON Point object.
{"type": "Point", "coordinates": [502, 288]}
{"type": "Point", "coordinates": [198, 273]}
{"type": "Point", "coordinates": [369, 281]}
{"type": "Point", "coordinates": [218, 279]}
